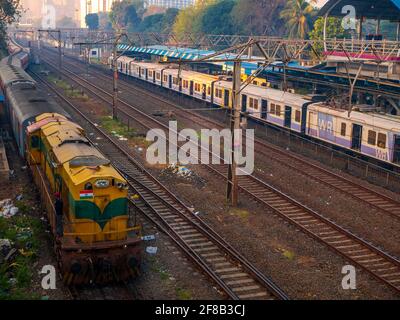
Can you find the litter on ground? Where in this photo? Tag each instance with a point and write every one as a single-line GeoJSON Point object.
{"type": "Point", "coordinates": [7, 208]}
{"type": "Point", "coordinates": [151, 250]}
{"type": "Point", "coordinates": [149, 237]}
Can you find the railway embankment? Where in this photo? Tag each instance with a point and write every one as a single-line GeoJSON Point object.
{"type": "Point", "coordinates": [25, 243]}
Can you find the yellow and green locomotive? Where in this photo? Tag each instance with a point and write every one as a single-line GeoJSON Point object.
{"type": "Point", "coordinates": [84, 195]}
{"type": "Point", "coordinates": [94, 198]}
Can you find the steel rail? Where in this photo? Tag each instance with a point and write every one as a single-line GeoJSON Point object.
{"type": "Point", "coordinates": [261, 189]}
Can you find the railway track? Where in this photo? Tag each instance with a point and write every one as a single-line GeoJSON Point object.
{"type": "Point", "coordinates": [365, 255]}
{"type": "Point", "coordinates": [364, 194]}
{"type": "Point", "coordinates": [110, 292]}
{"type": "Point", "coordinates": [234, 274]}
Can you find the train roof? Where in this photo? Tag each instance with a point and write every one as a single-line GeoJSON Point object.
{"type": "Point", "coordinates": [80, 159]}
{"type": "Point", "coordinates": [269, 94]}
{"type": "Point", "coordinates": [374, 119]}
{"type": "Point", "coordinates": [151, 65]}
{"type": "Point", "coordinates": [30, 102]}
{"type": "Point", "coordinates": [10, 74]}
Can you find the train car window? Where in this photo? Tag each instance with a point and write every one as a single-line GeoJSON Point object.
{"type": "Point", "coordinates": [343, 129]}
{"type": "Point", "coordinates": [278, 110]}
{"type": "Point", "coordinates": [158, 76]}
{"type": "Point", "coordinates": [372, 137]}
{"type": "Point", "coordinates": [264, 84]}
{"type": "Point", "coordinates": [297, 116]}
{"type": "Point", "coordinates": [273, 108]}
{"type": "Point", "coordinates": [137, 70]}
{"type": "Point", "coordinates": [253, 103]}
{"type": "Point", "coordinates": [197, 87]}
{"type": "Point", "coordinates": [382, 140]}
{"type": "Point", "coordinates": [165, 78]}
{"type": "Point", "coordinates": [150, 73]}
{"type": "Point", "coordinates": [185, 84]}
{"type": "Point", "coordinates": [255, 83]}
{"type": "Point", "coordinates": [209, 91]}
{"type": "Point", "coordinates": [218, 93]}
{"type": "Point", "coordinates": [175, 81]}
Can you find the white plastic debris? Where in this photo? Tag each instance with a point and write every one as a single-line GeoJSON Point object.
{"type": "Point", "coordinates": [13, 211]}
{"type": "Point", "coordinates": [149, 237]}
{"type": "Point", "coordinates": [151, 250]}
{"type": "Point", "coordinates": [7, 208]}
{"type": "Point", "coordinates": [5, 243]}
{"type": "Point", "coordinates": [19, 197]}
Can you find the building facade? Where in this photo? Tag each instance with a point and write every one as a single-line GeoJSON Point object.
{"type": "Point", "coordinates": [179, 4]}
{"type": "Point", "coordinates": [94, 6]}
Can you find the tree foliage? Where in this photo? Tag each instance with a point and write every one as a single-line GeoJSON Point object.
{"type": "Point", "coordinates": [92, 21]}
{"type": "Point", "coordinates": [189, 20]}
{"type": "Point", "coordinates": [298, 15]}
{"type": "Point", "coordinates": [217, 18]}
{"type": "Point", "coordinates": [9, 13]}
{"type": "Point", "coordinates": [126, 12]}
{"type": "Point", "coordinates": [334, 29]}
{"type": "Point", "coordinates": [259, 17]}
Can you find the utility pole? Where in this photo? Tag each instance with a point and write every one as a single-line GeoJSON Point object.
{"type": "Point", "coordinates": [115, 81]}
{"type": "Point", "coordinates": [114, 43]}
{"type": "Point", "coordinates": [233, 182]}
{"type": "Point", "coordinates": [50, 32]}
{"type": "Point", "coordinates": [115, 76]}
{"type": "Point", "coordinates": [59, 54]}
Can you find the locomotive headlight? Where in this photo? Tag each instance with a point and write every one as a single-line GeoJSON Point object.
{"type": "Point", "coordinates": [121, 185]}
{"type": "Point", "coordinates": [102, 184]}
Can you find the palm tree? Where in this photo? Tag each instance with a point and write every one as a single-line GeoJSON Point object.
{"type": "Point", "coordinates": [298, 14]}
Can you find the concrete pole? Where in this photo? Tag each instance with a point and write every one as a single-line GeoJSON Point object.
{"type": "Point", "coordinates": [378, 26]}
{"type": "Point", "coordinates": [115, 82]}
{"type": "Point", "coordinates": [59, 54]}
{"type": "Point", "coordinates": [360, 30]}
{"type": "Point", "coordinates": [233, 182]}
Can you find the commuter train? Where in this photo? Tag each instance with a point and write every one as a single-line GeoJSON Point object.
{"type": "Point", "coordinates": [95, 241]}
{"type": "Point", "coordinates": [18, 56]}
{"type": "Point", "coordinates": [369, 134]}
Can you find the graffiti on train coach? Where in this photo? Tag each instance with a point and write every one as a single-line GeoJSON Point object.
{"type": "Point", "coordinates": [325, 126]}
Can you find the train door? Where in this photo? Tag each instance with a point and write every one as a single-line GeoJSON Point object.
{"type": "Point", "coordinates": [396, 149]}
{"type": "Point", "coordinates": [147, 74]}
{"type": "Point", "coordinates": [244, 103]}
{"type": "Point", "coordinates": [264, 109]}
{"type": "Point", "coordinates": [356, 139]}
{"type": "Point", "coordinates": [170, 81]}
{"type": "Point", "coordinates": [191, 87]}
{"type": "Point", "coordinates": [140, 72]}
{"type": "Point", "coordinates": [226, 98]}
{"type": "Point", "coordinates": [154, 76]}
{"type": "Point", "coordinates": [204, 94]}
{"type": "Point", "coordinates": [288, 117]}
{"type": "Point", "coordinates": [303, 118]}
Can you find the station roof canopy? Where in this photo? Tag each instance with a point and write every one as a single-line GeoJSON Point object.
{"type": "Point", "coordinates": [370, 9]}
